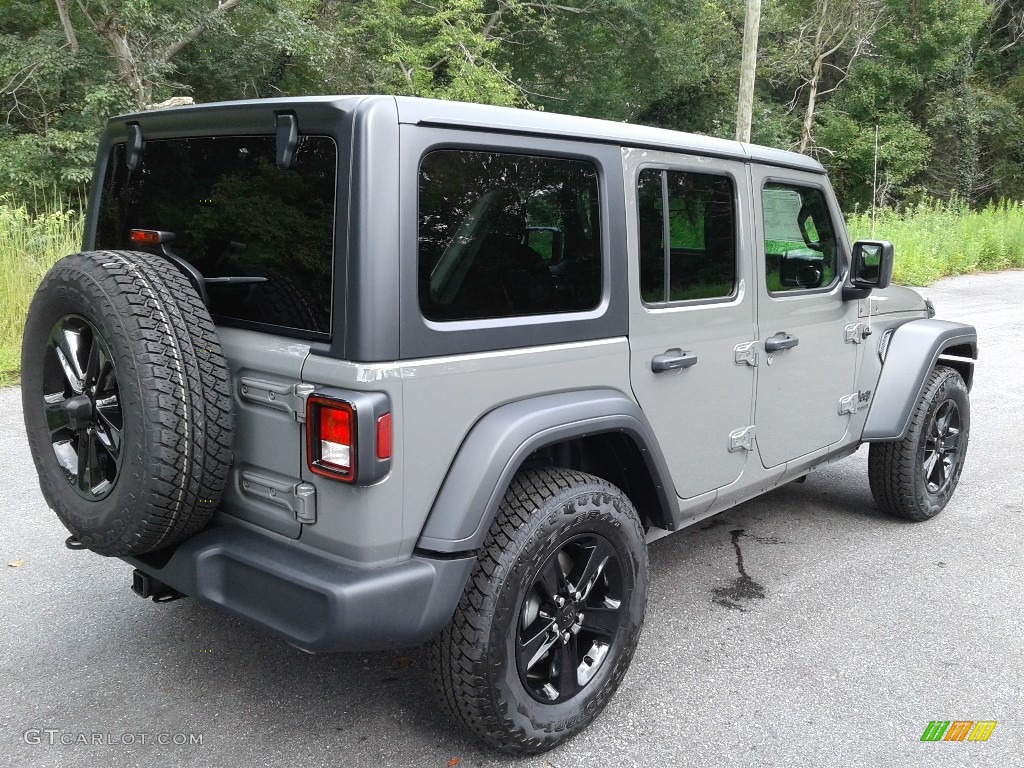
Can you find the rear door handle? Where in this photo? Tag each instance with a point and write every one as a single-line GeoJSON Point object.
{"type": "Point", "coordinates": [780, 340]}
{"type": "Point", "coordinates": [673, 360]}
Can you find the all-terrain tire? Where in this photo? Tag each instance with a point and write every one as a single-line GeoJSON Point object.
{"type": "Point", "coordinates": [562, 576]}
{"type": "Point", "coordinates": [127, 401]}
{"type": "Point", "coordinates": [915, 477]}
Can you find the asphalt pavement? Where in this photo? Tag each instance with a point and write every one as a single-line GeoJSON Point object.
{"type": "Point", "coordinates": [845, 633]}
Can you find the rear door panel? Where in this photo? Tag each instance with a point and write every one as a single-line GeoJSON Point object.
{"type": "Point", "coordinates": [693, 410]}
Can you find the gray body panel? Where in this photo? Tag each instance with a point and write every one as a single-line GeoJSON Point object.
{"type": "Point", "coordinates": [498, 444]}
{"type": "Point", "coordinates": [268, 439]}
{"type": "Point", "coordinates": [913, 352]}
{"type": "Point", "coordinates": [360, 524]}
{"type": "Point", "coordinates": [444, 398]}
{"type": "Point", "coordinates": [799, 389]}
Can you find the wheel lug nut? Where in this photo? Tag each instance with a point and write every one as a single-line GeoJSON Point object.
{"type": "Point", "coordinates": [559, 601]}
{"type": "Point", "coordinates": [565, 637]}
{"type": "Point", "coordinates": [578, 595]}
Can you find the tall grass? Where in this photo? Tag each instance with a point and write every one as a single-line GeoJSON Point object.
{"type": "Point", "coordinates": [937, 239]}
{"type": "Point", "coordinates": [29, 245]}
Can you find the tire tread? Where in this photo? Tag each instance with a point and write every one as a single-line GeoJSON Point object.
{"type": "Point", "coordinates": [456, 655]}
{"type": "Point", "coordinates": [185, 389]}
{"type": "Point", "coordinates": [893, 465]}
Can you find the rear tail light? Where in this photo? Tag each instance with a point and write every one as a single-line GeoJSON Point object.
{"type": "Point", "coordinates": [332, 443]}
{"type": "Point", "coordinates": [348, 436]}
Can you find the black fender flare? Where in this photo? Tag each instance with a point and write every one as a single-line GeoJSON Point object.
{"type": "Point", "coordinates": [496, 446]}
{"type": "Point", "coordinates": [913, 351]}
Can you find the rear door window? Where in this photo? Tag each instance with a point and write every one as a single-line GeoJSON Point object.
{"type": "Point", "coordinates": [687, 226]}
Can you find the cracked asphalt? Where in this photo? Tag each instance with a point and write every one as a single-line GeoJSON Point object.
{"type": "Point", "coordinates": [803, 628]}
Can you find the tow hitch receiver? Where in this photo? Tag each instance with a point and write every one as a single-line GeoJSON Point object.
{"type": "Point", "coordinates": [145, 586]}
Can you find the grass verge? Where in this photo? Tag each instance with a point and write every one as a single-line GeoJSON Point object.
{"type": "Point", "coordinates": [937, 239]}
{"type": "Point", "coordinates": [29, 245]}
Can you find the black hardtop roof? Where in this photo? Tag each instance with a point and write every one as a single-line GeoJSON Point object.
{"type": "Point", "coordinates": [419, 111]}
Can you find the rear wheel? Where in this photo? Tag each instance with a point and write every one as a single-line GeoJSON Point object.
{"type": "Point", "coordinates": [915, 477]}
{"type": "Point", "coordinates": [551, 616]}
{"type": "Point", "coordinates": [126, 401]}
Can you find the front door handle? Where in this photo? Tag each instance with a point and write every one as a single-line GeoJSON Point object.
{"type": "Point", "coordinates": [673, 360]}
{"type": "Point", "coordinates": [779, 341]}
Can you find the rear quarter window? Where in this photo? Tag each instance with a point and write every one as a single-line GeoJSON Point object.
{"type": "Point", "coordinates": [502, 235]}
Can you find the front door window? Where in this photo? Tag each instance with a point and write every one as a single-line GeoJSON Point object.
{"type": "Point", "coordinates": [801, 248]}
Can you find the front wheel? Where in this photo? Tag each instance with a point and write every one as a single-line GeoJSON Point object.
{"type": "Point", "coordinates": [551, 616]}
{"type": "Point", "coordinates": [915, 477]}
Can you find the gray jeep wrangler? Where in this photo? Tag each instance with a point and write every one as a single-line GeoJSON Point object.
{"type": "Point", "coordinates": [372, 372]}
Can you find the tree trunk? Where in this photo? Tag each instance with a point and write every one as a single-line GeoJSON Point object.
{"type": "Point", "coordinates": [812, 98]}
{"type": "Point", "coordinates": [127, 68]}
{"type": "Point", "coordinates": [141, 83]}
{"type": "Point", "coordinates": [65, 21]}
{"type": "Point", "coordinates": [748, 70]}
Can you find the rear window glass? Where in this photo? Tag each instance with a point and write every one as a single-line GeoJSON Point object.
{"type": "Point", "coordinates": [234, 213]}
{"type": "Point", "coordinates": [502, 235]}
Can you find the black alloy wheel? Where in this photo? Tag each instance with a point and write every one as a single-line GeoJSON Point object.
{"type": "Point", "coordinates": [551, 616]}
{"type": "Point", "coordinates": [942, 447]}
{"type": "Point", "coordinates": [915, 476]}
{"type": "Point", "coordinates": [83, 407]}
{"type": "Point", "coordinates": [127, 401]}
{"type": "Point", "coordinates": [570, 619]}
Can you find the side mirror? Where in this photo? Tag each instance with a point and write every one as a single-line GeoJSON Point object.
{"type": "Point", "coordinates": [872, 264]}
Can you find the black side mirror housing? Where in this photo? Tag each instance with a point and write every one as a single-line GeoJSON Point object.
{"type": "Point", "coordinates": [870, 267]}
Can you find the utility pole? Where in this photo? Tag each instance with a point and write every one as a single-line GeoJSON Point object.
{"type": "Point", "coordinates": [748, 67]}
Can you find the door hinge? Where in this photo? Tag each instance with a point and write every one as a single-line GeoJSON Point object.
{"type": "Point", "coordinates": [854, 402]}
{"type": "Point", "coordinates": [301, 393]}
{"type": "Point", "coordinates": [746, 353]}
{"type": "Point", "coordinates": [742, 439]}
{"type": "Point", "coordinates": [867, 307]}
{"type": "Point", "coordinates": [290, 398]}
{"type": "Point", "coordinates": [297, 498]}
{"type": "Point", "coordinates": [305, 503]}
{"type": "Point", "coordinates": [857, 332]}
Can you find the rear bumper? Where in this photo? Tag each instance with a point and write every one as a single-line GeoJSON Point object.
{"type": "Point", "coordinates": [315, 603]}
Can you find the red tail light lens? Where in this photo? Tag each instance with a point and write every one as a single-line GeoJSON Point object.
{"type": "Point", "coordinates": [384, 436]}
{"type": "Point", "coordinates": [331, 428]}
{"type": "Point", "coordinates": [348, 435]}
{"type": "Point", "coordinates": [145, 237]}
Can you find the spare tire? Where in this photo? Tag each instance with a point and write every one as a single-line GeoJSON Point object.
{"type": "Point", "coordinates": [127, 401]}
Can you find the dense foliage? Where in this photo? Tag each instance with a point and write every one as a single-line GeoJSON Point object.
{"type": "Point", "coordinates": [941, 79]}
